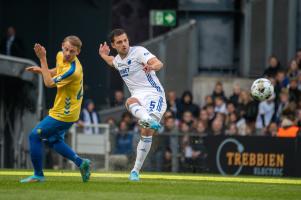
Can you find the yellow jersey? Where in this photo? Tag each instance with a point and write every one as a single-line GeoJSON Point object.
{"type": "Point", "coordinates": [69, 83]}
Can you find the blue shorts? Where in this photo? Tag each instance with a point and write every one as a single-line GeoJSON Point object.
{"type": "Point", "coordinates": [52, 130]}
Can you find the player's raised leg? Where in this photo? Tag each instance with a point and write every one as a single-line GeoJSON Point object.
{"type": "Point", "coordinates": [137, 110]}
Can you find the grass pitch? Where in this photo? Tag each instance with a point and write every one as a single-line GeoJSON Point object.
{"type": "Point", "coordinates": [68, 185]}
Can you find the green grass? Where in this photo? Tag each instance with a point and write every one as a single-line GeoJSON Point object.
{"type": "Point", "coordinates": [68, 185]}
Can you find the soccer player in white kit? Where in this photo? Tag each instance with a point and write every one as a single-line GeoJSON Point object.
{"type": "Point", "coordinates": [137, 67]}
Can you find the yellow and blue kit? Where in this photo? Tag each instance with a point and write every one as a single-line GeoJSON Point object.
{"type": "Point", "coordinates": [65, 111]}
{"type": "Point", "coordinates": [69, 82]}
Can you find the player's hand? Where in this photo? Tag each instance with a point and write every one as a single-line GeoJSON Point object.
{"type": "Point", "coordinates": [34, 69]}
{"type": "Point", "coordinates": [40, 51]}
{"type": "Point", "coordinates": [104, 49]}
{"type": "Point", "coordinates": [147, 68]}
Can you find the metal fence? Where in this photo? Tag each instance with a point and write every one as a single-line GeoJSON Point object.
{"type": "Point", "coordinates": [93, 146]}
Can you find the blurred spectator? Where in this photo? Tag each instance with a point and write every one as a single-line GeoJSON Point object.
{"type": "Point", "coordinates": [299, 80]}
{"type": "Point", "coordinates": [194, 154]}
{"type": "Point", "coordinates": [118, 99]}
{"type": "Point", "coordinates": [282, 104]}
{"type": "Point", "coordinates": [265, 114]}
{"type": "Point", "coordinates": [11, 45]}
{"type": "Point", "coordinates": [170, 113]}
{"type": "Point", "coordinates": [123, 147]}
{"type": "Point", "coordinates": [204, 116]}
{"type": "Point", "coordinates": [231, 130]}
{"type": "Point", "coordinates": [218, 91]}
{"type": "Point", "coordinates": [239, 122]}
{"type": "Point", "coordinates": [89, 118]}
{"type": "Point", "coordinates": [247, 108]}
{"type": "Point", "coordinates": [293, 69]}
{"type": "Point", "coordinates": [170, 125]}
{"type": "Point", "coordinates": [235, 96]}
{"type": "Point", "coordinates": [187, 104]}
{"type": "Point", "coordinates": [184, 128]}
{"type": "Point", "coordinates": [298, 58]}
{"type": "Point", "coordinates": [201, 129]}
{"type": "Point", "coordinates": [220, 116]}
{"type": "Point", "coordinates": [112, 123]}
{"type": "Point", "coordinates": [170, 122]}
{"type": "Point", "coordinates": [272, 130]}
{"type": "Point", "coordinates": [288, 128]}
{"type": "Point", "coordinates": [173, 102]}
{"type": "Point", "coordinates": [294, 93]}
{"type": "Point", "coordinates": [124, 140]}
{"type": "Point", "coordinates": [128, 118]}
{"type": "Point", "coordinates": [217, 127]}
{"type": "Point", "coordinates": [220, 105]}
{"type": "Point", "coordinates": [188, 118]}
{"type": "Point", "coordinates": [113, 131]}
{"type": "Point", "coordinates": [273, 68]}
{"type": "Point", "coordinates": [230, 107]}
{"type": "Point", "coordinates": [298, 118]}
{"type": "Point", "coordinates": [208, 100]}
{"type": "Point", "coordinates": [210, 112]}
{"type": "Point", "coordinates": [281, 82]}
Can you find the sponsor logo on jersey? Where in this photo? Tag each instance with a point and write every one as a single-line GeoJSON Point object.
{"type": "Point", "coordinates": [124, 72]}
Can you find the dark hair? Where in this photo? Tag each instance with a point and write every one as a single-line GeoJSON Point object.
{"type": "Point", "coordinates": [169, 117]}
{"type": "Point", "coordinates": [187, 93]}
{"type": "Point", "coordinates": [116, 32]}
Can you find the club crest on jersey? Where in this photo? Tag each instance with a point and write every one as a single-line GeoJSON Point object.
{"type": "Point", "coordinates": [146, 53]}
{"type": "Point", "coordinates": [124, 72]}
{"type": "Point", "coordinates": [58, 79]}
{"type": "Point", "coordinates": [129, 62]}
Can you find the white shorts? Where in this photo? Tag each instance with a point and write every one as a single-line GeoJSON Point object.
{"type": "Point", "coordinates": [155, 104]}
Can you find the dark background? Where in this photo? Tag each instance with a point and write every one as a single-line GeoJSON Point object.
{"type": "Point", "coordinates": [49, 21]}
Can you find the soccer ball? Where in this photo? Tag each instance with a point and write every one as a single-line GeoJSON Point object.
{"type": "Point", "coordinates": [262, 89]}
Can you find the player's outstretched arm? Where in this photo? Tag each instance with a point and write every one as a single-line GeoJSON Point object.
{"type": "Point", "coordinates": [104, 52]}
{"type": "Point", "coordinates": [38, 70]}
{"type": "Point", "coordinates": [41, 54]}
{"type": "Point", "coordinates": [52, 72]}
{"type": "Point", "coordinates": [152, 64]}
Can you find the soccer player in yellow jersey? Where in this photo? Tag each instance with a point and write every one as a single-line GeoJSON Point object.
{"type": "Point", "coordinates": [67, 77]}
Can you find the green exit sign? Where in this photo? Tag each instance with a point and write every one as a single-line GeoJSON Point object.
{"type": "Point", "coordinates": [163, 17]}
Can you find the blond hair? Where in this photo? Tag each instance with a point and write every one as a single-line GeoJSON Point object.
{"type": "Point", "coordinates": [74, 41]}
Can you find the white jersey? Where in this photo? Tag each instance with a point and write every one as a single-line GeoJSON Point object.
{"type": "Point", "coordinates": [130, 69]}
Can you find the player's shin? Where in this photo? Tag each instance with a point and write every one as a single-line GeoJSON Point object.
{"type": "Point", "coordinates": [36, 154]}
{"type": "Point", "coordinates": [63, 149]}
{"type": "Point", "coordinates": [143, 148]}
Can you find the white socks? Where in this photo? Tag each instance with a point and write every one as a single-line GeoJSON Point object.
{"type": "Point", "coordinates": [139, 111]}
{"type": "Point", "coordinates": [143, 148]}
{"type": "Point", "coordinates": [145, 142]}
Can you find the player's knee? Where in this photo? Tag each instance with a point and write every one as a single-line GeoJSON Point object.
{"type": "Point", "coordinates": [34, 135]}
{"type": "Point", "coordinates": [147, 132]}
{"type": "Point", "coordinates": [130, 101]}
